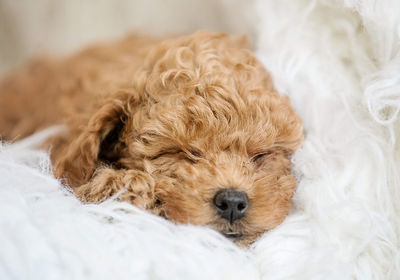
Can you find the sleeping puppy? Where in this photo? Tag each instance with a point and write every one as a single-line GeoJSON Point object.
{"type": "Point", "coordinates": [189, 128]}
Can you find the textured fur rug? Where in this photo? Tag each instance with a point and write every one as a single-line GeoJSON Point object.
{"type": "Point", "coordinates": [339, 61]}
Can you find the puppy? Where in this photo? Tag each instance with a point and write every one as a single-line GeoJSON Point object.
{"type": "Point", "coordinates": [189, 128]}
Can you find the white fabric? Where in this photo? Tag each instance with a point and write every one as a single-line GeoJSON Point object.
{"type": "Point", "coordinates": [339, 61]}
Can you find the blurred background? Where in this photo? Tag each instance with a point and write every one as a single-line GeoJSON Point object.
{"type": "Point", "coordinates": [35, 27]}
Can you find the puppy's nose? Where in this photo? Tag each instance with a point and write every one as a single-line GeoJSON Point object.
{"type": "Point", "coordinates": [231, 204]}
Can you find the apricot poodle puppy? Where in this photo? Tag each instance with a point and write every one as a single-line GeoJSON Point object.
{"type": "Point", "coordinates": [189, 128]}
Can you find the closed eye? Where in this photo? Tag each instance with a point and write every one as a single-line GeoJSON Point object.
{"type": "Point", "coordinates": [193, 155]}
{"type": "Point", "coordinates": [164, 153]}
{"type": "Point", "coordinates": [259, 157]}
{"type": "Point", "coordinates": [190, 155]}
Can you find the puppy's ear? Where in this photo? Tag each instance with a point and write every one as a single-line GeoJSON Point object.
{"type": "Point", "coordinates": [99, 141]}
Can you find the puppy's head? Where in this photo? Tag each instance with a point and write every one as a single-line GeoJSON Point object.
{"type": "Point", "coordinates": [203, 120]}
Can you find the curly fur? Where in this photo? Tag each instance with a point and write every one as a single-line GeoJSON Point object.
{"type": "Point", "coordinates": [166, 123]}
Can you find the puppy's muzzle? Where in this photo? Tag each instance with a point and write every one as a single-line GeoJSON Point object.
{"type": "Point", "coordinates": [231, 204]}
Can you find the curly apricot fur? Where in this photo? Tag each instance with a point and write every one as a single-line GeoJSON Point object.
{"type": "Point", "coordinates": [164, 123]}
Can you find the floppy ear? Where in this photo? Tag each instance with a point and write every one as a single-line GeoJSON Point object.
{"type": "Point", "coordinates": [99, 141]}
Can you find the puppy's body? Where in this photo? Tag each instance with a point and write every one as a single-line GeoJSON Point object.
{"type": "Point", "coordinates": [187, 127]}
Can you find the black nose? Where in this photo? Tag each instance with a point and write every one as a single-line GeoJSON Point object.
{"type": "Point", "coordinates": [231, 204]}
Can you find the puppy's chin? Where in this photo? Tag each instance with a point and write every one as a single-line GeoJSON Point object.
{"type": "Point", "coordinates": [238, 233]}
{"type": "Point", "coordinates": [242, 240]}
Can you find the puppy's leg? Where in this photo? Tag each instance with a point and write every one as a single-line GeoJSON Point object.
{"type": "Point", "coordinates": [135, 186]}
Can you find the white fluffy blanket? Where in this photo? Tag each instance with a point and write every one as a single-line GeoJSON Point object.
{"type": "Point", "coordinates": [339, 61]}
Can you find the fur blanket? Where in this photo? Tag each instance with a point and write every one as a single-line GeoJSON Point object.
{"type": "Point", "coordinates": [339, 61]}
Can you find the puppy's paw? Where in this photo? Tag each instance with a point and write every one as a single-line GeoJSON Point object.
{"type": "Point", "coordinates": [130, 185]}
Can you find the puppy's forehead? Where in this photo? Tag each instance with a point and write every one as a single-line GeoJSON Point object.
{"type": "Point", "coordinates": [210, 109]}
{"type": "Point", "coordinates": [208, 120]}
